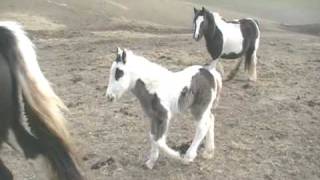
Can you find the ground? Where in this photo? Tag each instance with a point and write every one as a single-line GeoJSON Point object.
{"type": "Point", "coordinates": [265, 130]}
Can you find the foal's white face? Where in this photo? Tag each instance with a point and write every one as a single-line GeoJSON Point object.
{"type": "Point", "coordinates": [119, 78]}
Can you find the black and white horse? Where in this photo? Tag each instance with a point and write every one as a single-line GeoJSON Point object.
{"type": "Point", "coordinates": [228, 39]}
{"type": "Point", "coordinates": [26, 95]}
{"type": "Point", "coordinates": [163, 94]}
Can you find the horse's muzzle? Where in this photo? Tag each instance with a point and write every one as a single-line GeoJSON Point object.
{"type": "Point", "coordinates": [197, 38]}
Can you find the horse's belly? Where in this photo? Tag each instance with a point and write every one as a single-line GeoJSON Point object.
{"type": "Point", "coordinates": [232, 40]}
{"type": "Point", "coordinates": [233, 45]}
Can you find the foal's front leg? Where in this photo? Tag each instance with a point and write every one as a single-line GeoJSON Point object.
{"type": "Point", "coordinates": [154, 153]}
{"type": "Point", "coordinates": [158, 136]}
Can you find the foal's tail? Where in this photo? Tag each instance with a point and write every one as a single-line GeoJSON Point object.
{"type": "Point", "coordinates": [42, 105]}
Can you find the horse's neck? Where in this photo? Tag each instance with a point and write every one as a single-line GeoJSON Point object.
{"type": "Point", "coordinates": [214, 37]}
{"type": "Point", "coordinates": [150, 73]}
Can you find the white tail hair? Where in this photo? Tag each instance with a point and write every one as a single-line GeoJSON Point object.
{"type": "Point", "coordinates": [35, 87]}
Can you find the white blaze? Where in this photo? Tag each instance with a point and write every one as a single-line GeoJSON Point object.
{"type": "Point", "coordinates": [199, 20]}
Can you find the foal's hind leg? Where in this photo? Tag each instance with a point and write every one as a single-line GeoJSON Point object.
{"type": "Point", "coordinates": [201, 131]}
{"type": "Point", "coordinates": [5, 173]}
{"type": "Point", "coordinates": [209, 145]}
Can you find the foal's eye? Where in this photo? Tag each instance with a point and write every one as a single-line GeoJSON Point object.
{"type": "Point", "coordinates": [119, 74]}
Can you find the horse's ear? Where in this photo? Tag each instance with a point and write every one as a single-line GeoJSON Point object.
{"type": "Point", "coordinates": [203, 9]}
{"type": "Point", "coordinates": [124, 55]}
{"type": "Point", "coordinates": [195, 10]}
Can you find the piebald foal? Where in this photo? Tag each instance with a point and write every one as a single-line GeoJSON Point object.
{"type": "Point", "coordinates": [163, 94]}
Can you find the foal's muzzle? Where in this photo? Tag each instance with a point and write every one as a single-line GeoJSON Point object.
{"type": "Point", "coordinates": [110, 97]}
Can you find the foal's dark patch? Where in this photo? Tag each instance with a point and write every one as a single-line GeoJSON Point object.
{"type": "Point", "coordinates": [153, 108]}
{"type": "Point", "coordinates": [201, 87]}
{"type": "Point", "coordinates": [185, 99]}
{"type": "Point", "coordinates": [119, 74]}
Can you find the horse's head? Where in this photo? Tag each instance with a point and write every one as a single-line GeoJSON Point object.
{"type": "Point", "coordinates": [119, 78]}
{"type": "Point", "coordinates": [200, 23]}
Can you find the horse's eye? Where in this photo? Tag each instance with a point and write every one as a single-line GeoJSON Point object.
{"type": "Point", "coordinates": [119, 74]}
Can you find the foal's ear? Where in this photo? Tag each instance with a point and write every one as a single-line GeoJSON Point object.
{"type": "Point", "coordinates": [124, 55]}
{"type": "Point", "coordinates": [118, 50]}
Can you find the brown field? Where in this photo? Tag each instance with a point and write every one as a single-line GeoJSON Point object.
{"type": "Point", "coordinates": [268, 130]}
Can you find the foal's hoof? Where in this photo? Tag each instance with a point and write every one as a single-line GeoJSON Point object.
{"type": "Point", "coordinates": [149, 164]}
{"type": "Point", "coordinates": [187, 159]}
{"type": "Point", "coordinates": [207, 154]}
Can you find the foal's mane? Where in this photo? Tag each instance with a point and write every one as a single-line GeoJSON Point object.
{"type": "Point", "coordinates": [139, 62]}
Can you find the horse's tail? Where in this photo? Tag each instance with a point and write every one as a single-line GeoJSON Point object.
{"type": "Point", "coordinates": [42, 105]}
{"type": "Point", "coordinates": [250, 56]}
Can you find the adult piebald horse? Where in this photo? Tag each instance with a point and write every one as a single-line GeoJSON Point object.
{"type": "Point", "coordinates": [228, 39]}
{"type": "Point", "coordinates": [26, 95]}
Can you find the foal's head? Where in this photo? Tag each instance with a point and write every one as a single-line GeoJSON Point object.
{"type": "Point", "coordinates": [200, 22]}
{"type": "Point", "coordinates": [119, 78]}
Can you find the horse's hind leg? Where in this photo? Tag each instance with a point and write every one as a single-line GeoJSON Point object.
{"type": "Point", "coordinates": [235, 70]}
{"type": "Point", "coordinates": [5, 173]}
{"type": "Point", "coordinates": [251, 61]}
{"type": "Point", "coordinates": [209, 144]}
{"type": "Point", "coordinates": [251, 57]}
